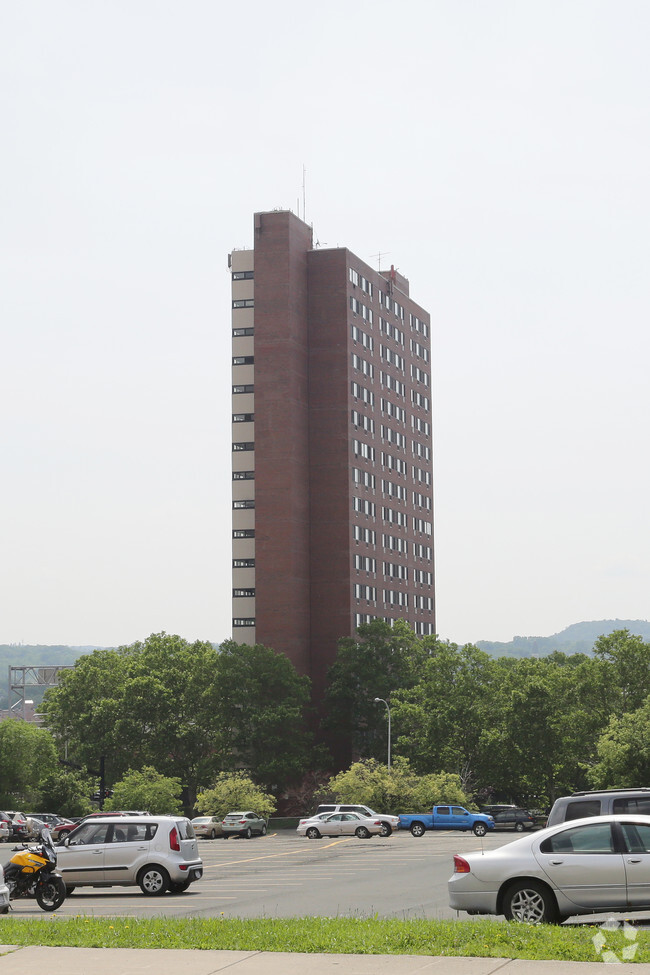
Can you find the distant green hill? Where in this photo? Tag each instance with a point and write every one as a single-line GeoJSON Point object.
{"type": "Point", "coordinates": [577, 638]}
{"type": "Point", "coordinates": [21, 655]}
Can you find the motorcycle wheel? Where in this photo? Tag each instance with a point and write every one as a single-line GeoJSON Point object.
{"type": "Point", "coordinates": [50, 894]}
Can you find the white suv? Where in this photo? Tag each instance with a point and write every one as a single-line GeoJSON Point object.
{"type": "Point", "coordinates": [158, 853]}
{"type": "Point", "coordinates": [388, 823]}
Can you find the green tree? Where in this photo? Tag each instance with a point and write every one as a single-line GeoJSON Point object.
{"type": "Point", "coordinates": [623, 751]}
{"type": "Point", "coordinates": [187, 710]}
{"type": "Point", "coordinates": [27, 757]}
{"type": "Point", "coordinates": [439, 721]}
{"type": "Point", "coordinates": [260, 704]}
{"type": "Point", "coordinates": [380, 661]}
{"type": "Point", "coordinates": [398, 789]}
{"type": "Point", "coordinates": [232, 792]}
{"type": "Point", "coordinates": [147, 790]}
{"type": "Point", "coordinates": [147, 704]}
{"type": "Point", "coordinates": [628, 661]}
{"type": "Point", "coordinates": [67, 792]}
{"type": "Point", "coordinates": [548, 714]}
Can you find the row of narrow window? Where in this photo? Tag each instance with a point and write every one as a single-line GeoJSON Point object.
{"type": "Point", "coordinates": [420, 627]}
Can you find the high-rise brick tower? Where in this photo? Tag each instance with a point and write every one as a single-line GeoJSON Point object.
{"type": "Point", "coordinates": [331, 447]}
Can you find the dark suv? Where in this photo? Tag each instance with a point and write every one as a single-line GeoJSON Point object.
{"type": "Point", "coordinates": [510, 816]}
{"type": "Point", "coordinates": [604, 803]}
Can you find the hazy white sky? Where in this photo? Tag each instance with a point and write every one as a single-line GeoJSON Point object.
{"type": "Point", "coordinates": [497, 152]}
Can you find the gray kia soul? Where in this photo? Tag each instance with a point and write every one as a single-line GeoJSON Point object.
{"type": "Point", "coordinates": [606, 803]}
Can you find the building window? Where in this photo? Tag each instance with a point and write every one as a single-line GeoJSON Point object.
{"type": "Point", "coordinates": [365, 563]}
{"type": "Point", "coordinates": [243, 475]}
{"type": "Point", "coordinates": [244, 303]}
{"type": "Point", "coordinates": [361, 618]}
{"type": "Point", "coordinates": [248, 503]}
{"type": "Point", "coordinates": [237, 593]}
{"type": "Point", "coordinates": [243, 563]}
{"type": "Point", "coordinates": [242, 275]}
{"type": "Point", "coordinates": [361, 534]}
{"type": "Point", "coordinates": [243, 417]}
{"type": "Point", "coordinates": [243, 360]}
{"type": "Point", "coordinates": [245, 445]}
{"type": "Point", "coordinates": [362, 449]}
{"type": "Point", "coordinates": [363, 477]}
{"type": "Point", "coordinates": [363, 421]}
{"type": "Point", "coordinates": [369, 593]}
{"type": "Point", "coordinates": [238, 332]}
{"type": "Point", "coordinates": [244, 622]}
{"type": "Point", "coordinates": [364, 506]}
{"type": "Point", "coordinates": [244, 388]}
{"type": "Point", "coordinates": [424, 629]}
{"type": "Point", "coordinates": [243, 533]}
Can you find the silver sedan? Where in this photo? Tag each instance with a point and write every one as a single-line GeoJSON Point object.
{"type": "Point", "coordinates": [339, 824]}
{"type": "Point", "coordinates": [583, 866]}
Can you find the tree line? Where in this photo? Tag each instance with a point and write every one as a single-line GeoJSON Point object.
{"type": "Point", "coordinates": [492, 729]}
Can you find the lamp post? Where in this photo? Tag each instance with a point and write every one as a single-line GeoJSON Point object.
{"type": "Point", "coordinates": [380, 700]}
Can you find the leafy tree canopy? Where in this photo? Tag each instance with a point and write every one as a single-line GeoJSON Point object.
{"type": "Point", "coordinates": [186, 710]}
{"type": "Point", "coordinates": [259, 702]}
{"type": "Point", "coordinates": [66, 792]}
{"type": "Point", "coordinates": [397, 789]}
{"type": "Point", "coordinates": [628, 660]}
{"type": "Point", "coordinates": [147, 790]}
{"type": "Point", "coordinates": [27, 757]}
{"type": "Point", "coordinates": [378, 662]}
{"type": "Point", "coordinates": [145, 704]}
{"type": "Point", "coordinates": [623, 751]}
{"type": "Point", "coordinates": [234, 792]}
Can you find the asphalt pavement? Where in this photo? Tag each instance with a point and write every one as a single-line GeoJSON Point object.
{"type": "Point", "coordinates": [128, 961]}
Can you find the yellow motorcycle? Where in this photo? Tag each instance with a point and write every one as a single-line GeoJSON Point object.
{"type": "Point", "coordinates": [31, 872]}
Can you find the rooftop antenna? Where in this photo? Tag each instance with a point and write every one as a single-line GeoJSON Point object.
{"type": "Point", "coordinates": [379, 257]}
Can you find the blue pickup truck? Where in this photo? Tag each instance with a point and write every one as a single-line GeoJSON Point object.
{"type": "Point", "coordinates": [447, 817]}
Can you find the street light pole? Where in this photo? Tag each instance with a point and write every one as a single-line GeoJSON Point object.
{"type": "Point", "coordinates": [380, 700]}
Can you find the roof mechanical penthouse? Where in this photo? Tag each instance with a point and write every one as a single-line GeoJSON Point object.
{"type": "Point", "coordinates": [332, 487]}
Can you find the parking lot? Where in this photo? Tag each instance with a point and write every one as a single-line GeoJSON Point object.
{"type": "Point", "coordinates": [284, 875]}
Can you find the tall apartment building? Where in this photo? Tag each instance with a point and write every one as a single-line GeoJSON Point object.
{"type": "Point", "coordinates": [332, 521]}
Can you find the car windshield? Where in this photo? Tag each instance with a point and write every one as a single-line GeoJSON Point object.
{"type": "Point", "coordinates": [200, 819]}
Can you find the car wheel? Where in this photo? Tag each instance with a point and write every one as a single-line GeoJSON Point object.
{"type": "Point", "coordinates": [362, 832]}
{"type": "Point", "coordinates": [212, 834]}
{"type": "Point", "coordinates": [153, 881]}
{"type": "Point", "coordinates": [530, 902]}
{"type": "Point", "coordinates": [263, 831]}
{"type": "Point", "coordinates": [519, 827]}
{"type": "Point", "coordinates": [417, 829]}
{"type": "Point", "coordinates": [479, 829]}
{"type": "Point", "coordinates": [386, 829]}
{"type": "Point", "coordinates": [248, 832]}
{"type": "Point", "coordinates": [312, 833]}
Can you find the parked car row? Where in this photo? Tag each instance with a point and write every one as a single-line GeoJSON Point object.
{"type": "Point", "coordinates": [245, 824]}
{"type": "Point", "coordinates": [573, 866]}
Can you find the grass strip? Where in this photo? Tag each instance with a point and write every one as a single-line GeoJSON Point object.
{"type": "Point", "coordinates": [363, 936]}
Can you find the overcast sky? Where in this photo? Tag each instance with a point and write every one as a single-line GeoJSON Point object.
{"type": "Point", "coordinates": [497, 153]}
